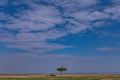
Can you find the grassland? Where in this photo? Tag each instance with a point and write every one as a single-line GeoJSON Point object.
{"type": "Point", "coordinates": [64, 77]}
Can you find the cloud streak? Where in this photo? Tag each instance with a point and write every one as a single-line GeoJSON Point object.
{"type": "Point", "coordinates": [108, 49]}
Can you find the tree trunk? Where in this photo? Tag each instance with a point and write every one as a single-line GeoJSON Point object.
{"type": "Point", "coordinates": [61, 73]}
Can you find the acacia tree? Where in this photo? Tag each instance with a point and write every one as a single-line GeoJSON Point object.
{"type": "Point", "coordinates": [61, 70]}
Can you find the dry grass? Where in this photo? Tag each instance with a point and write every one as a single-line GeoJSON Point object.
{"type": "Point", "coordinates": [22, 76]}
{"type": "Point", "coordinates": [65, 75]}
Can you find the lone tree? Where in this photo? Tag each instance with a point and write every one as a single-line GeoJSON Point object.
{"type": "Point", "coordinates": [61, 70]}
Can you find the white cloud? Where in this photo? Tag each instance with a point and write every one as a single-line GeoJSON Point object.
{"type": "Point", "coordinates": [114, 12]}
{"type": "Point", "coordinates": [108, 49]}
{"type": "Point", "coordinates": [40, 18]}
{"type": "Point", "coordinates": [77, 27]}
{"type": "Point", "coordinates": [3, 16]}
{"type": "Point", "coordinates": [73, 5]}
{"type": "Point", "coordinates": [89, 16]}
{"type": "Point", "coordinates": [3, 2]}
{"type": "Point", "coordinates": [37, 47]}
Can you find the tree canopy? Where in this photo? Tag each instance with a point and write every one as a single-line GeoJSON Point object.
{"type": "Point", "coordinates": [61, 69]}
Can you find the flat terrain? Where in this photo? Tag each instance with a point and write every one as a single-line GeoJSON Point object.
{"type": "Point", "coordinates": [64, 77]}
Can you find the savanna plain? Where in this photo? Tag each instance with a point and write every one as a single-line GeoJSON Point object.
{"type": "Point", "coordinates": [64, 77]}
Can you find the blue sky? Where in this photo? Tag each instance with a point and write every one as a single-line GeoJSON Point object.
{"type": "Point", "coordinates": [37, 36]}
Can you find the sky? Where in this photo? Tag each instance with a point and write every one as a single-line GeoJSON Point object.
{"type": "Point", "coordinates": [38, 36]}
